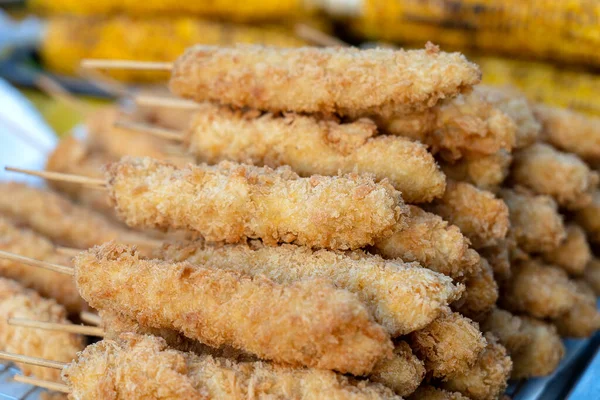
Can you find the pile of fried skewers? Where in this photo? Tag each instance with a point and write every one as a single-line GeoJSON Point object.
{"type": "Point", "coordinates": [307, 223]}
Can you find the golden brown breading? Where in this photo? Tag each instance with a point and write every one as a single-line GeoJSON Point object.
{"type": "Point", "coordinates": [18, 302]}
{"type": "Point", "coordinates": [486, 172]}
{"type": "Point", "coordinates": [448, 345]}
{"type": "Point", "coordinates": [403, 373]}
{"type": "Point", "coordinates": [588, 218]}
{"type": "Point", "coordinates": [542, 291]}
{"type": "Point", "coordinates": [563, 176]}
{"type": "Point", "coordinates": [583, 320]}
{"type": "Point", "coordinates": [402, 297]}
{"type": "Point", "coordinates": [499, 258]}
{"type": "Point", "coordinates": [231, 202]}
{"type": "Point", "coordinates": [478, 213]}
{"type": "Point", "coordinates": [515, 104]}
{"type": "Point", "coordinates": [432, 242]}
{"type": "Point", "coordinates": [427, 392]}
{"type": "Point", "coordinates": [535, 223]}
{"type": "Point", "coordinates": [508, 328]}
{"type": "Point", "coordinates": [543, 355]}
{"type": "Point", "coordinates": [456, 127]}
{"type": "Point", "coordinates": [570, 131]}
{"type": "Point", "coordinates": [573, 253]}
{"type": "Point", "coordinates": [481, 292]}
{"type": "Point", "coordinates": [143, 367]}
{"type": "Point", "coordinates": [306, 323]}
{"type": "Point", "coordinates": [592, 275]}
{"type": "Point", "coordinates": [347, 81]}
{"type": "Point", "coordinates": [314, 147]}
{"type": "Point", "coordinates": [50, 284]}
{"type": "Point", "coordinates": [488, 378]}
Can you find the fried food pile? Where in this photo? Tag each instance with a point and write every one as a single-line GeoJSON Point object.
{"type": "Point", "coordinates": [327, 223]}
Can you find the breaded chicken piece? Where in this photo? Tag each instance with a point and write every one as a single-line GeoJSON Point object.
{"type": "Point", "coordinates": [427, 392]}
{"type": "Point", "coordinates": [456, 127]}
{"type": "Point", "coordinates": [588, 218]}
{"type": "Point", "coordinates": [499, 258]}
{"type": "Point", "coordinates": [548, 171]}
{"type": "Point", "coordinates": [481, 216]}
{"type": "Point", "coordinates": [515, 104]}
{"type": "Point", "coordinates": [542, 291]}
{"type": "Point", "coordinates": [27, 243]}
{"type": "Point", "coordinates": [535, 223]}
{"type": "Point", "coordinates": [18, 302]}
{"type": "Point", "coordinates": [402, 297]}
{"type": "Point", "coordinates": [432, 242]}
{"type": "Point", "coordinates": [573, 253]}
{"type": "Point", "coordinates": [306, 323]}
{"type": "Point", "coordinates": [143, 367]}
{"type": "Point", "coordinates": [488, 378]}
{"type": "Point", "coordinates": [403, 373]}
{"type": "Point", "coordinates": [481, 292]}
{"type": "Point", "coordinates": [346, 81]}
{"type": "Point", "coordinates": [542, 356]}
{"type": "Point", "coordinates": [592, 275]}
{"type": "Point", "coordinates": [448, 345]}
{"type": "Point", "coordinates": [583, 320]}
{"type": "Point", "coordinates": [311, 146]}
{"type": "Point", "coordinates": [570, 131]}
{"type": "Point", "coordinates": [231, 202]}
{"type": "Point", "coordinates": [486, 172]}
{"type": "Point", "coordinates": [508, 328]}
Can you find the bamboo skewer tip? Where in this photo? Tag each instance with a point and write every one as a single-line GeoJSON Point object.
{"type": "Point", "coordinates": [152, 130]}
{"type": "Point", "coordinates": [54, 386]}
{"type": "Point", "coordinates": [90, 318]}
{"type": "Point", "coordinates": [37, 263]}
{"type": "Point", "coordinates": [39, 362]}
{"type": "Point", "coordinates": [56, 326]}
{"type": "Point", "coordinates": [126, 64]}
{"type": "Point", "coordinates": [59, 176]}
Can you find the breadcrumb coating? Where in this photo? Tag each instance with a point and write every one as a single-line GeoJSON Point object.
{"type": "Point", "coordinates": [487, 172]}
{"type": "Point", "coordinates": [488, 378]}
{"type": "Point", "coordinates": [306, 323]}
{"type": "Point", "coordinates": [570, 131]}
{"type": "Point", "coordinates": [535, 222]}
{"type": "Point", "coordinates": [456, 127]}
{"type": "Point", "coordinates": [427, 392]}
{"type": "Point", "coordinates": [542, 356]}
{"type": "Point", "coordinates": [573, 253]}
{"type": "Point", "coordinates": [583, 320]}
{"type": "Point", "coordinates": [231, 202]}
{"type": "Point", "coordinates": [403, 373]}
{"type": "Point", "coordinates": [27, 243]}
{"type": "Point", "coordinates": [18, 302]}
{"type": "Point", "coordinates": [592, 275]}
{"type": "Point", "coordinates": [481, 292]}
{"type": "Point", "coordinates": [346, 81]}
{"type": "Point", "coordinates": [588, 218]}
{"type": "Point", "coordinates": [563, 176]}
{"type": "Point", "coordinates": [499, 258]}
{"type": "Point", "coordinates": [311, 146]}
{"type": "Point", "coordinates": [143, 367]}
{"type": "Point", "coordinates": [448, 345]}
{"type": "Point", "coordinates": [508, 328]}
{"type": "Point", "coordinates": [481, 216]}
{"type": "Point", "coordinates": [432, 242]}
{"type": "Point", "coordinates": [539, 290]}
{"type": "Point", "coordinates": [402, 297]}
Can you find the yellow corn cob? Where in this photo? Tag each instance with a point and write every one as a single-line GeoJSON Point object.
{"type": "Point", "coordinates": [69, 40]}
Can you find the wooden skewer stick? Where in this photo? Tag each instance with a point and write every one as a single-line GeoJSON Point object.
{"type": "Point", "coordinates": [58, 176]}
{"type": "Point", "coordinates": [152, 130]}
{"type": "Point", "coordinates": [57, 92]}
{"type": "Point", "coordinates": [315, 36]}
{"type": "Point", "coordinates": [36, 263]}
{"type": "Point", "coordinates": [40, 362]}
{"type": "Point", "coordinates": [90, 318]}
{"type": "Point", "coordinates": [165, 102]}
{"type": "Point", "coordinates": [67, 251]}
{"type": "Point", "coordinates": [54, 386]}
{"type": "Point", "coordinates": [106, 83]}
{"type": "Point", "coordinates": [126, 64]}
{"type": "Point", "coordinates": [54, 326]}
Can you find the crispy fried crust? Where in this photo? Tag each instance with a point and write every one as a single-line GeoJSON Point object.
{"type": "Point", "coordinates": [588, 218]}
{"type": "Point", "coordinates": [592, 275]}
{"type": "Point", "coordinates": [573, 253]}
{"type": "Point", "coordinates": [426, 392]}
{"type": "Point", "coordinates": [231, 202]}
{"type": "Point", "coordinates": [508, 328]}
{"type": "Point", "coordinates": [583, 320]}
{"type": "Point", "coordinates": [346, 81]}
{"type": "Point", "coordinates": [478, 213]}
{"type": "Point", "coordinates": [542, 291]}
{"type": "Point", "coordinates": [563, 176]}
{"type": "Point", "coordinates": [143, 367]}
{"type": "Point", "coordinates": [403, 373]}
{"type": "Point", "coordinates": [481, 292]}
{"type": "Point", "coordinates": [306, 323]}
{"type": "Point", "coordinates": [432, 242]}
{"type": "Point", "coordinates": [448, 345]}
{"type": "Point", "coordinates": [18, 302]}
{"type": "Point", "coordinates": [456, 127]}
{"type": "Point", "coordinates": [499, 258]}
{"type": "Point", "coordinates": [488, 378]}
{"type": "Point", "coordinates": [535, 223]}
{"type": "Point", "coordinates": [314, 147]}
{"type": "Point", "coordinates": [50, 284]}
{"type": "Point", "coordinates": [486, 172]}
{"type": "Point", "coordinates": [402, 297]}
